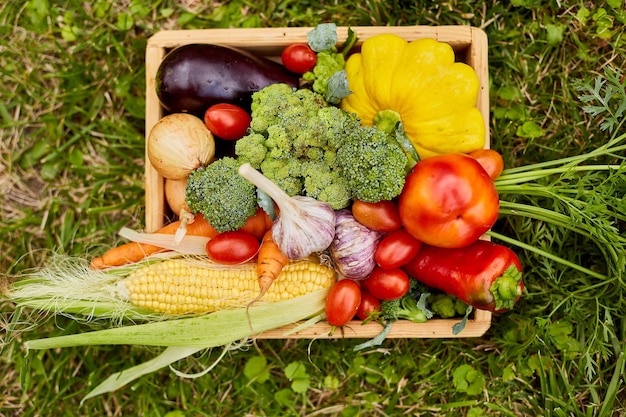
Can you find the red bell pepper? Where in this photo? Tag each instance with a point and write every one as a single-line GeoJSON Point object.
{"type": "Point", "coordinates": [448, 200]}
{"type": "Point", "coordinates": [484, 274]}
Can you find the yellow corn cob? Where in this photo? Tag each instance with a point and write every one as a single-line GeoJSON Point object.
{"type": "Point", "coordinates": [179, 286]}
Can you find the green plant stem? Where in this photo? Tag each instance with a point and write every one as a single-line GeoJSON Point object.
{"type": "Point", "coordinates": [512, 178]}
{"type": "Point", "coordinates": [607, 149]}
{"type": "Point", "coordinates": [543, 253]}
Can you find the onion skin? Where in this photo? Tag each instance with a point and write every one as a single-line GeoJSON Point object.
{"type": "Point", "coordinates": [354, 246]}
{"type": "Point", "coordinates": [178, 144]}
{"type": "Point", "coordinates": [175, 195]}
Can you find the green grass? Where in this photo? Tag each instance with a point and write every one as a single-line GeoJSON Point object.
{"type": "Point", "coordinates": [71, 118]}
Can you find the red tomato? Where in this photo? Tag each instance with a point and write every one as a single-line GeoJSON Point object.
{"type": "Point", "coordinates": [227, 121]}
{"type": "Point", "coordinates": [448, 201]}
{"type": "Point", "coordinates": [299, 58]}
{"type": "Point", "coordinates": [234, 247]}
{"type": "Point", "coordinates": [387, 284]}
{"type": "Point", "coordinates": [342, 302]}
{"type": "Point", "coordinates": [490, 160]}
{"type": "Point", "coordinates": [382, 216]}
{"type": "Point", "coordinates": [368, 305]}
{"type": "Point", "coordinates": [396, 249]}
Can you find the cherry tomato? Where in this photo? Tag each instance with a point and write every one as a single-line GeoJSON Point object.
{"type": "Point", "coordinates": [490, 160]}
{"type": "Point", "coordinates": [396, 249]}
{"type": "Point", "coordinates": [342, 302]}
{"type": "Point", "coordinates": [382, 216]}
{"type": "Point", "coordinates": [368, 305]}
{"type": "Point", "coordinates": [387, 284]}
{"type": "Point", "coordinates": [227, 121]}
{"type": "Point", "coordinates": [232, 247]}
{"type": "Point", "coordinates": [299, 58]}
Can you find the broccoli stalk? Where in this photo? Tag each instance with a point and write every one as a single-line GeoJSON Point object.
{"type": "Point", "coordinates": [405, 308]}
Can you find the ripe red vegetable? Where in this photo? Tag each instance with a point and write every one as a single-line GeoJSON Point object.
{"type": "Point", "coordinates": [387, 284]}
{"type": "Point", "coordinates": [342, 302]}
{"type": "Point", "coordinates": [227, 121]}
{"type": "Point", "coordinates": [368, 305]}
{"type": "Point", "coordinates": [382, 216]}
{"type": "Point", "coordinates": [299, 58]}
{"type": "Point", "coordinates": [448, 201]}
{"type": "Point", "coordinates": [484, 274]}
{"type": "Point", "coordinates": [490, 160]}
{"type": "Point", "coordinates": [232, 248]}
{"type": "Point", "coordinates": [396, 249]}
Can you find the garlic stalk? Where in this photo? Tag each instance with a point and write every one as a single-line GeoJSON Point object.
{"type": "Point", "coordinates": [304, 225]}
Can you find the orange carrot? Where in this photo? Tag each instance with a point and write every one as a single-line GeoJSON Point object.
{"type": "Point", "coordinates": [134, 252]}
{"type": "Point", "coordinates": [270, 262]}
{"type": "Point", "coordinates": [258, 223]}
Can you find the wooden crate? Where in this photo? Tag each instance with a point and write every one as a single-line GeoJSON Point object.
{"type": "Point", "coordinates": [470, 46]}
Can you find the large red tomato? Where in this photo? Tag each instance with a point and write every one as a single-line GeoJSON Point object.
{"type": "Point", "coordinates": [448, 201]}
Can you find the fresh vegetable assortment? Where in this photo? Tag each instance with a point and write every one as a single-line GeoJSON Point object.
{"type": "Point", "coordinates": [336, 177]}
{"type": "Point", "coordinates": [322, 169]}
{"type": "Point", "coordinates": [359, 188]}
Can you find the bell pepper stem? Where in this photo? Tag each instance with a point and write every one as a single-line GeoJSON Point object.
{"type": "Point", "coordinates": [507, 288]}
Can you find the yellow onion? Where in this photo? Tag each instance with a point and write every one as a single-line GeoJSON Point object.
{"type": "Point", "coordinates": [178, 144]}
{"type": "Point", "coordinates": [175, 194]}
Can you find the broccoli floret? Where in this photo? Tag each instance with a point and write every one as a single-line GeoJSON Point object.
{"type": "Point", "coordinates": [285, 173]}
{"type": "Point", "coordinates": [325, 184]}
{"type": "Point", "coordinates": [328, 63]}
{"type": "Point", "coordinates": [278, 143]}
{"type": "Point", "coordinates": [374, 165]}
{"type": "Point", "coordinates": [404, 308]}
{"type": "Point", "coordinates": [224, 197]}
{"type": "Point", "coordinates": [338, 125]}
{"type": "Point", "coordinates": [412, 306]}
{"type": "Point", "coordinates": [269, 103]}
{"type": "Point", "coordinates": [446, 306]}
{"type": "Point", "coordinates": [251, 148]}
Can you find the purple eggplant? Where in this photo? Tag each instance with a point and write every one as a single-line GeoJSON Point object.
{"type": "Point", "coordinates": [195, 76]}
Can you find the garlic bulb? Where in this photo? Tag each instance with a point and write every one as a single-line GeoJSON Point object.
{"type": "Point", "coordinates": [354, 246]}
{"type": "Point", "coordinates": [178, 144]}
{"type": "Point", "coordinates": [303, 226]}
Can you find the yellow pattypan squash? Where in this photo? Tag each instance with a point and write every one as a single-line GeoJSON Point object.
{"type": "Point", "coordinates": [420, 84]}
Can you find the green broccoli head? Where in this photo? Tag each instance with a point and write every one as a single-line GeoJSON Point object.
{"type": "Point", "coordinates": [373, 164]}
{"type": "Point", "coordinates": [328, 63]}
{"type": "Point", "coordinates": [251, 148]}
{"type": "Point", "coordinates": [224, 197]}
